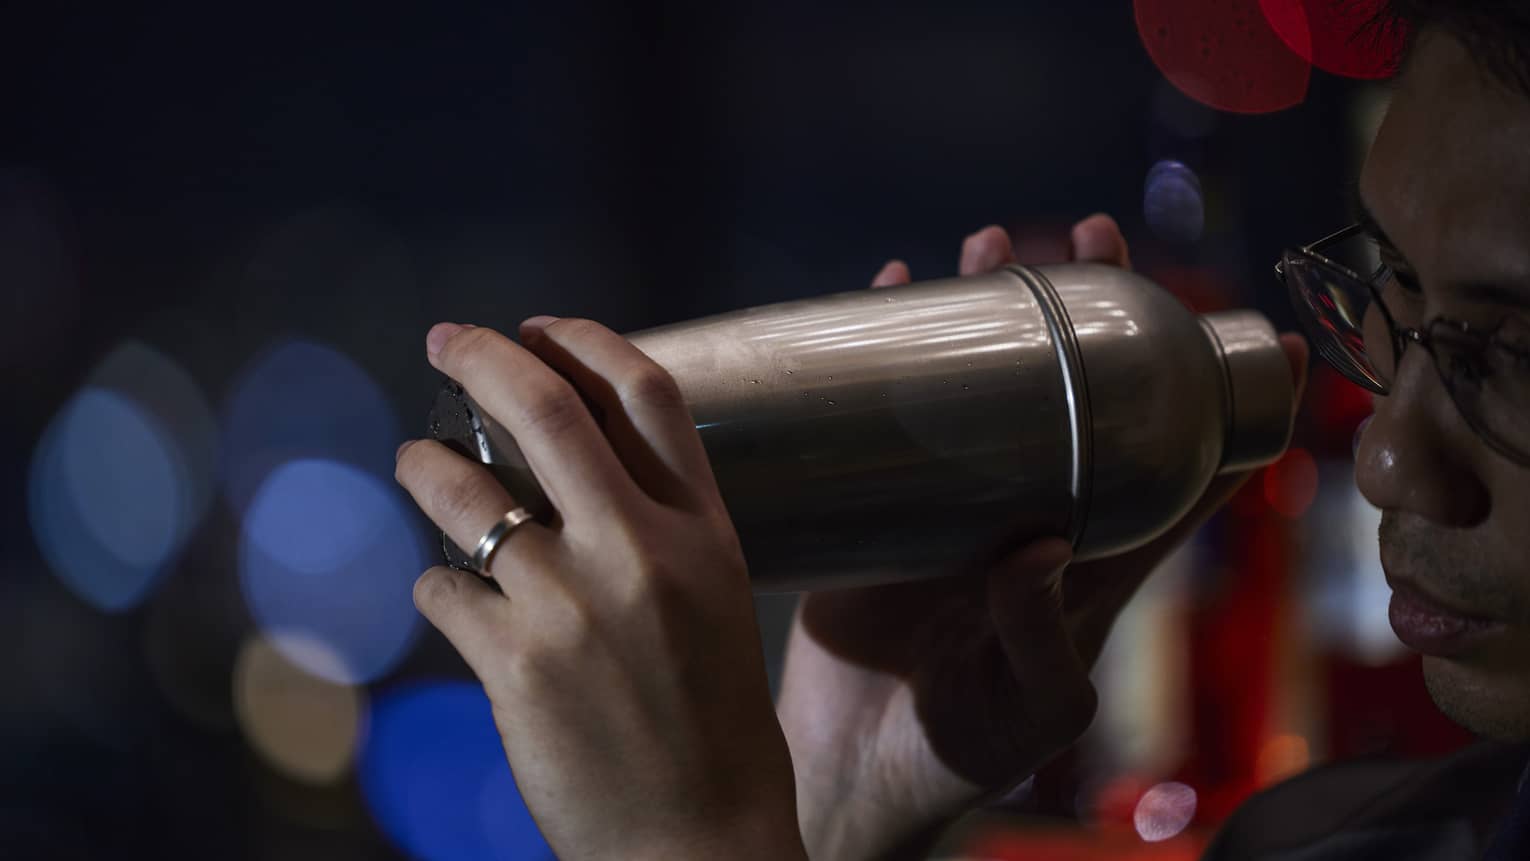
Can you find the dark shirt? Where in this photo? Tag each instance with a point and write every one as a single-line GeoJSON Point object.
{"type": "Point", "coordinates": [1472, 804]}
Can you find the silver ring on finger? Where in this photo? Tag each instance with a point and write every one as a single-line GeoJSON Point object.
{"type": "Point", "coordinates": [496, 535]}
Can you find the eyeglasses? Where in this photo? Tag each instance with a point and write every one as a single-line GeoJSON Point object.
{"type": "Point", "coordinates": [1486, 371]}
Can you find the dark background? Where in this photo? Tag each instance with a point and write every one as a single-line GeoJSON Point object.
{"type": "Point", "coordinates": [637, 162]}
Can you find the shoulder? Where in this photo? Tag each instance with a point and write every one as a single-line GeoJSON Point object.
{"type": "Point", "coordinates": [1391, 808]}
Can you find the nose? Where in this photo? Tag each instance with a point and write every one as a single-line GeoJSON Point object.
{"type": "Point", "coordinates": [1416, 453]}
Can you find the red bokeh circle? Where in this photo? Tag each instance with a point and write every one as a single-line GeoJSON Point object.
{"type": "Point", "coordinates": [1340, 38]}
{"type": "Point", "coordinates": [1223, 53]}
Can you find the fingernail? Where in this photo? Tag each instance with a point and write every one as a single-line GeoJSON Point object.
{"type": "Point", "coordinates": [1086, 244]}
{"type": "Point", "coordinates": [535, 325]}
{"type": "Point", "coordinates": [438, 336]}
{"type": "Point", "coordinates": [400, 453]}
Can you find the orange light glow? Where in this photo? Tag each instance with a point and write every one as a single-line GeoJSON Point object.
{"type": "Point", "coordinates": [1291, 484]}
{"type": "Point", "coordinates": [1281, 757]}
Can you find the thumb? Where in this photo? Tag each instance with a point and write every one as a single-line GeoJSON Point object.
{"type": "Point", "coordinates": [1025, 603]}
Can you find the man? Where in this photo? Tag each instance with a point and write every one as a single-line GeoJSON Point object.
{"type": "Point", "coordinates": [1446, 193]}
{"type": "Point", "coordinates": [613, 657]}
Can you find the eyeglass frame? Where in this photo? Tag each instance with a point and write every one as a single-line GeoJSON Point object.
{"type": "Point", "coordinates": [1479, 338]}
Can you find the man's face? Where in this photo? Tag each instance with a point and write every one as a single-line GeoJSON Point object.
{"type": "Point", "coordinates": [1448, 181]}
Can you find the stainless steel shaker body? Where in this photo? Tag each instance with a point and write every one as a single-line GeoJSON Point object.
{"type": "Point", "coordinates": [914, 431]}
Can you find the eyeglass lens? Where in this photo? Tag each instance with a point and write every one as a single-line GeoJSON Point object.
{"type": "Point", "coordinates": [1336, 309]}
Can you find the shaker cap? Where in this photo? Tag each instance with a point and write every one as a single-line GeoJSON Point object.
{"type": "Point", "coordinates": [1260, 390]}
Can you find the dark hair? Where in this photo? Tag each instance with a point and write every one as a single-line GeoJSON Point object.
{"type": "Point", "coordinates": [1497, 32]}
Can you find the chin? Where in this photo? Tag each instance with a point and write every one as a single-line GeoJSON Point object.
{"type": "Point", "coordinates": [1491, 700]}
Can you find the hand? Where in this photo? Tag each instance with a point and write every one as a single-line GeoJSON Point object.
{"type": "Point", "coordinates": [905, 704]}
{"type": "Point", "coordinates": [622, 659]}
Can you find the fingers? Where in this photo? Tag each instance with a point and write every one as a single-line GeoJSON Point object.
{"type": "Point", "coordinates": [1098, 239]}
{"type": "Point", "coordinates": [985, 251]}
{"type": "Point", "coordinates": [1025, 601]}
{"type": "Point", "coordinates": [646, 419]}
{"type": "Point", "coordinates": [891, 275]}
{"type": "Point", "coordinates": [563, 445]}
{"type": "Point", "coordinates": [465, 610]}
{"type": "Point", "coordinates": [464, 500]}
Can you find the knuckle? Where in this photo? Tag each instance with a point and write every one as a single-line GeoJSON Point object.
{"type": "Point", "coordinates": [458, 499]}
{"type": "Point", "coordinates": [644, 585]}
{"type": "Point", "coordinates": [528, 668]}
{"type": "Point", "coordinates": [576, 624]}
{"type": "Point", "coordinates": [653, 592]}
{"type": "Point", "coordinates": [551, 408]}
{"type": "Point", "coordinates": [651, 385]}
{"type": "Point", "coordinates": [575, 328]}
{"type": "Point", "coordinates": [565, 633]}
{"type": "Point", "coordinates": [470, 350]}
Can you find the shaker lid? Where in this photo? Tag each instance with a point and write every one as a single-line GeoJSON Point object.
{"type": "Point", "coordinates": [1260, 390]}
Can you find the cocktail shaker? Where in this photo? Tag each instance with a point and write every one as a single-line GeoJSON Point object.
{"type": "Point", "coordinates": [914, 431]}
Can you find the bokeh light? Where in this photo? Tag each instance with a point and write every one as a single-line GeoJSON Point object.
{"type": "Point", "coordinates": [1285, 755]}
{"type": "Point", "coordinates": [1291, 483]}
{"type": "Point", "coordinates": [121, 476]}
{"type": "Point", "coordinates": [435, 777]}
{"type": "Point", "coordinates": [1339, 38]}
{"type": "Point", "coordinates": [304, 400]}
{"type": "Point", "coordinates": [1164, 812]}
{"type": "Point", "coordinates": [1222, 53]}
{"type": "Point", "coordinates": [1347, 595]}
{"type": "Point", "coordinates": [1172, 202]}
{"type": "Point", "coordinates": [304, 726]}
{"type": "Point", "coordinates": [329, 554]}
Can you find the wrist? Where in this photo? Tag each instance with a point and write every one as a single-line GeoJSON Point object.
{"type": "Point", "coordinates": [847, 827]}
{"type": "Point", "coordinates": [840, 820]}
{"type": "Point", "coordinates": [744, 842]}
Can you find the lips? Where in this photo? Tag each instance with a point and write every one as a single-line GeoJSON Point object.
{"type": "Point", "coordinates": [1431, 628]}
